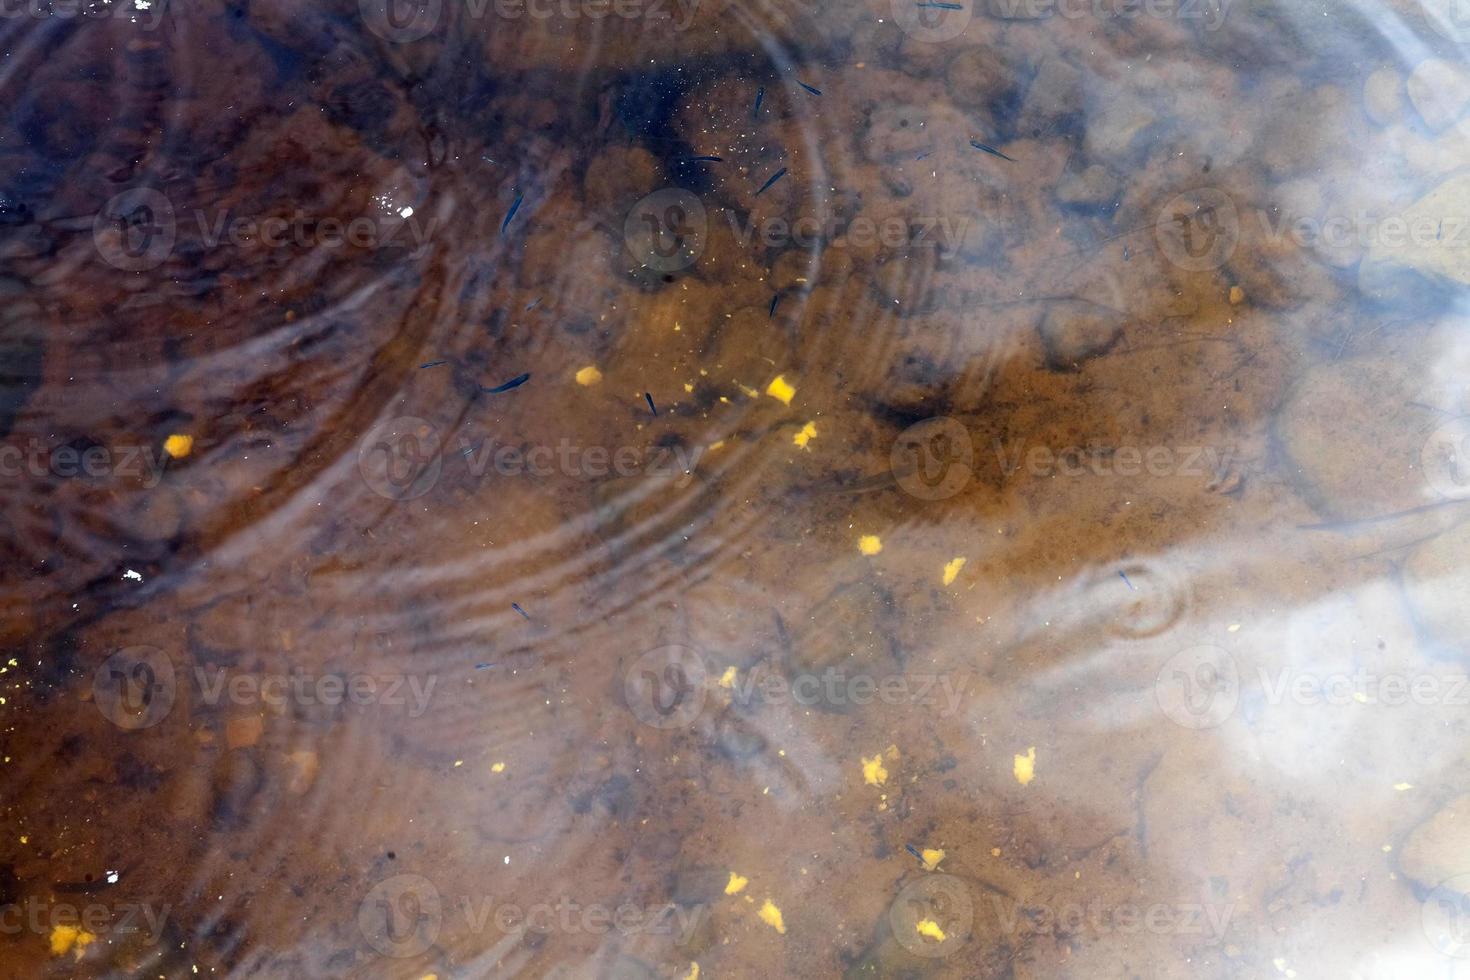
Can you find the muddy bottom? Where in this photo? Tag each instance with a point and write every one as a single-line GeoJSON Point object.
{"type": "Point", "coordinates": [696, 490]}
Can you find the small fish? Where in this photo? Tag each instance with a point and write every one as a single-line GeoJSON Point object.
{"type": "Point", "coordinates": [774, 300]}
{"type": "Point", "coordinates": [432, 364]}
{"type": "Point", "coordinates": [649, 398]}
{"type": "Point", "coordinates": [467, 451]}
{"type": "Point", "coordinates": [534, 303]}
{"type": "Point", "coordinates": [483, 666]}
{"type": "Point", "coordinates": [942, 6]}
{"type": "Point", "coordinates": [515, 206]}
{"type": "Point", "coordinates": [703, 159]}
{"type": "Point", "coordinates": [778, 175]}
{"type": "Point", "coordinates": [515, 382]}
{"type": "Point", "coordinates": [926, 153]}
{"type": "Point", "coordinates": [1124, 576]}
{"type": "Point", "coordinates": [517, 607]}
{"type": "Point", "coordinates": [991, 150]}
{"type": "Point", "coordinates": [760, 96]}
{"type": "Point", "coordinates": [810, 88]}
{"type": "Point", "coordinates": [914, 851]}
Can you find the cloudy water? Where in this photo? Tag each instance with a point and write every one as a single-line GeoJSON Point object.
{"type": "Point", "coordinates": [719, 488]}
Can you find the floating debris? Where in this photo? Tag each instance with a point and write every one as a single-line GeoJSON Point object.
{"type": "Point", "coordinates": [515, 206]}
{"type": "Point", "coordinates": [870, 544]}
{"type": "Point", "coordinates": [771, 916]}
{"type": "Point", "coordinates": [991, 150]}
{"type": "Point", "coordinates": [588, 376]}
{"type": "Point", "coordinates": [649, 398]}
{"type": "Point", "coordinates": [952, 570]}
{"type": "Point", "coordinates": [781, 389]}
{"type": "Point", "coordinates": [807, 434]}
{"type": "Point", "coordinates": [736, 884]}
{"type": "Point", "coordinates": [517, 607]}
{"type": "Point", "coordinates": [178, 445]}
{"type": "Point", "coordinates": [874, 772]}
{"type": "Point", "coordinates": [1024, 766]}
{"type": "Point", "coordinates": [515, 382]}
{"type": "Point", "coordinates": [810, 88]}
{"type": "Point", "coordinates": [432, 364]}
{"type": "Point", "coordinates": [764, 187]}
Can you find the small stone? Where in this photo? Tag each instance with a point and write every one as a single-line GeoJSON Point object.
{"type": "Point", "coordinates": [1439, 848]}
{"type": "Point", "coordinates": [1237, 295]}
{"type": "Point", "coordinates": [1383, 96]}
{"type": "Point", "coordinates": [243, 731]}
{"type": "Point", "coordinates": [1439, 91]}
{"type": "Point", "coordinates": [1074, 331]}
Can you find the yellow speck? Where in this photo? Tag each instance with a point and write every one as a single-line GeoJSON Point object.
{"type": "Point", "coordinates": [771, 916]}
{"type": "Point", "coordinates": [1360, 697]}
{"type": "Point", "coordinates": [736, 884]}
{"type": "Point", "coordinates": [24, 839]}
{"type": "Point", "coordinates": [178, 445]}
{"type": "Point", "coordinates": [870, 544]}
{"type": "Point", "coordinates": [458, 763]}
{"type": "Point", "coordinates": [689, 388]}
{"type": "Point", "coordinates": [716, 445]}
{"type": "Point", "coordinates": [588, 376]}
{"type": "Point", "coordinates": [71, 939]}
{"type": "Point", "coordinates": [693, 973]}
{"type": "Point", "coordinates": [873, 772]}
{"type": "Point", "coordinates": [995, 852]}
{"type": "Point", "coordinates": [1237, 295]}
{"type": "Point", "coordinates": [807, 434]}
{"type": "Point", "coordinates": [429, 976]}
{"type": "Point", "coordinates": [727, 679]}
{"type": "Point", "coordinates": [781, 388]}
{"type": "Point", "coordinates": [1025, 766]}
{"type": "Point", "coordinates": [498, 767]}
{"type": "Point", "coordinates": [932, 856]}
{"type": "Point", "coordinates": [930, 928]}
{"type": "Point", "coordinates": [1233, 628]}
{"type": "Point", "coordinates": [952, 570]}
{"type": "Point", "coordinates": [1401, 787]}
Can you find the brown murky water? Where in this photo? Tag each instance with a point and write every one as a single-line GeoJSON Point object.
{"type": "Point", "coordinates": [656, 489]}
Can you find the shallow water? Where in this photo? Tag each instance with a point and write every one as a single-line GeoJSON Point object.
{"type": "Point", "coordinates": [587, 490]}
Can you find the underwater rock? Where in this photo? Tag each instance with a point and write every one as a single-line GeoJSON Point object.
{"type": "Point", "coordinates": [1439, 848]}
{"type": "Point", "coordinates": [1439, 91]}
{"type": "Point", "coordinates": [979, 77]}
{"type": "Point", "coordinates": [1357, 457]}
{"type": "Point", "coordinates": [1073, 331]}
{"type": "Point", "coordinates": [1428, 248]}
{"type": "Point", "coordinates": [1436, 581]}
{"type": "Point", "coordinates": [1383, 96]}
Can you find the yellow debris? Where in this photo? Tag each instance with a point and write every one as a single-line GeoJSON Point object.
{"type": "Point", "coordinates": [781, 389]}
{"type": "Point", "coordinates": [873, 772]}
{"type": "Point", "coordinates": [693, 973]}
{"type": "Point", "coordinates": [1400, 787]}
{"type": "Point", "coordinates": [870, 544]}
{"type": "Point", "coordinates": [1025, 766]}
{"type": "Point", "coordinates": [932, 856]}
{"type": "Point", "coordinates": [930, 928]}
{"type": "Point", "coordinates": [178, 445]}
{"type": "Point", "coordinates": [952, 570]}
{"type": "Point", "coordinates": [1237, 295]}
{"type": "Point", "coordinates": [716, 445]}
{"type": "Point", "coordinates": [807, 434]}
{"type": "Point", "coordinates": [771, 916]}
{"type": "Point", "coordinates": [498, 767]}
{"type": "Point", "coordinates": [727, 679]}
{"type": "Point", "coordinates": [736, 884]}
{"type": "Point", "coordinates": [588, 376]}
{"type": "Point", "coordinates": [70, 939]}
